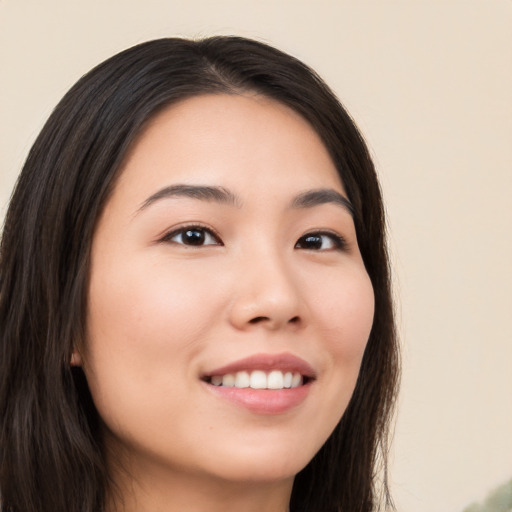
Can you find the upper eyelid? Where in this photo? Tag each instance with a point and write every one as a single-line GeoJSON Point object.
{"type": "Point", "coordinates": [169, 233]}
{"type": "Point", "coordinates": [339, 238]}
{"type": "Point", "coordinates": [324, 231]}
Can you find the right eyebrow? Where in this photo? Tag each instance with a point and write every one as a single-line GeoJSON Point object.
{"type": "Point", "coordinates": [201, 192]}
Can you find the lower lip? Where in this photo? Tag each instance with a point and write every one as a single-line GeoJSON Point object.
{"type": "Point", "coordinates": [263, 401]}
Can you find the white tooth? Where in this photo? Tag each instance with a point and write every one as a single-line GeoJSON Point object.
{"type": "Point", "coordinates": [242, 380]}
{"type": "Point", "coordinates": [216, 380]}
{"type": "Point", "coordinates": [275, 380]}
{"type": "Point", "coordinates": [287, 380]}
{"type": "Point", "coordinates": [258, 380]}
{"type": "Point", "coordinates": [296, 380]}
{"type": "Point", "coordinates": [228, 380]}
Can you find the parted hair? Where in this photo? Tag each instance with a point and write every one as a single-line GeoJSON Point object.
{"type": "Point", "coordinates": [51, 453]}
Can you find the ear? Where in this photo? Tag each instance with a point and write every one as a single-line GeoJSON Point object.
{"type": "Point", "coordinates": [76, 358]}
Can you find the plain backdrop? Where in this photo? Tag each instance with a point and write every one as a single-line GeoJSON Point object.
{"type": "Point", "coordinates": [430, 85]}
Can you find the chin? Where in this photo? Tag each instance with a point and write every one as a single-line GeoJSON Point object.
{"type": "Point", "coordinates": [270, 464]}
{"type": "Point", "coordinates": [261, 473]}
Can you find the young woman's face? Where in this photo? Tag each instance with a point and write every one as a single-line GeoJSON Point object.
{"type": "Point", "coordinates": [229, 306]}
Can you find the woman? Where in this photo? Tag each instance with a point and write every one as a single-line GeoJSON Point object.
{"type": "Point", "coordinates": [194, 298]}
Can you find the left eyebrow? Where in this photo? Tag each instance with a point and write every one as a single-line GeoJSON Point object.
{"type": "Point", "coordinates": [316, 197]}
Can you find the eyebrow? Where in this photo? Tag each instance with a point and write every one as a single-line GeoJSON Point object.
{"type": "Point", "coordinates": [201, 192]}
{"type": "Point", "coordinates": [312, 198]}
{"type": "Point", "coordinates": [307, 199]}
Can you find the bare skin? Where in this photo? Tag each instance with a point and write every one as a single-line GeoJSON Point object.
{"type": "Point", "coordinates": [226, 250]}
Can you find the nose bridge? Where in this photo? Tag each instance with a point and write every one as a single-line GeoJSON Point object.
{"type": "Point", "coordinates": [267, 291]}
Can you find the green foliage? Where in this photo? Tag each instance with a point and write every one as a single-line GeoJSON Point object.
{"type": "Point", "coordinates": [500, 500]}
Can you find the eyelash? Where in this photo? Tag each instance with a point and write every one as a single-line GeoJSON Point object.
{"type": "Point", "coordinates": [338, 242]}
{"type": "Point", "coordinates": [191, 228]}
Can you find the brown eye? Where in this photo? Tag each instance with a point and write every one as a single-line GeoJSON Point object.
{"type": "Point", "coordinates": [195, 236]}
{"type": "Point", "coordinates": [321, 241]}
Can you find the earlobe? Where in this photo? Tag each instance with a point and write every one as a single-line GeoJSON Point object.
{"type": "Point", "coordinates": [76, 358]}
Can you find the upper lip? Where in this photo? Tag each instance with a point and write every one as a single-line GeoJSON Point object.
{"type": "Point", "coordinates": [266, 362]}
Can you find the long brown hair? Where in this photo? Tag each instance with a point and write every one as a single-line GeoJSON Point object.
{"type": "Point", "coordinates": [50, 447]}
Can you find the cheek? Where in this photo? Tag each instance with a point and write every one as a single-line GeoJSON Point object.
{"type": "Point", "coordinates": [147, 321]}
{"type": "Point", "coordinates": [146, 306]}
{"type": "Point", "coordinates": [346, 312]}
{"type": "Point", "coordinates": [146, 325]}
{"type": "Point", "coordinates": [345, 317]}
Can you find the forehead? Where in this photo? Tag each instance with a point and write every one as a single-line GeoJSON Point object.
{"type": "Point", "coordinates": [233, 139]}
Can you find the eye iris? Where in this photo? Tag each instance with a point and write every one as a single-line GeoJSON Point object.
{"type": "Point", "coordinates": [313, 241]}
{"type": "Point", "coordinates": [193, 237]}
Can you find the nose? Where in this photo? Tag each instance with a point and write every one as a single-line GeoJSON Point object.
{"type": "Point", "coordinates": [267, 294]}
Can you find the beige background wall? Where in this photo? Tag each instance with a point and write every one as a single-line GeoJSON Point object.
{"type": "Point", "coordinates": [430, 84]}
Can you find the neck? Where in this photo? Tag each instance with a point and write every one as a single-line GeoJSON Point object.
{"type": "Point", "coordinates": [151, 489]}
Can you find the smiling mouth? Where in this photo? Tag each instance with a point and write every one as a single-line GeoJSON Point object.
{"type": "Point", "coordinates": [267, 384]}
{"type": "Point", "coordinates": [259, 379]}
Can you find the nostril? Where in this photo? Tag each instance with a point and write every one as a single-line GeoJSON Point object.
{"type": "Point", "coordinates": [294, 320]}
{"type": "Point", "coordinates": [258, 319]}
